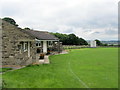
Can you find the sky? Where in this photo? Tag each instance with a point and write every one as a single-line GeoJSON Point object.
{"type": "Point", "coordinates": [88, 19]}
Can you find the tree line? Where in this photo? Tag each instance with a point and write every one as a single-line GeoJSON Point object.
{"type": "Point", "coordinates": [70, 39]}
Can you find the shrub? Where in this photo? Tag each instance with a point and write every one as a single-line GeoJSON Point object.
{"type": "Point", "coordinates": [5, 69]}
{"type": "Point", "coordinates": [48, 53]}
{"type": "Point", "coordinates": [29, 65]}
{"type": "Point", "coordinates": [42, 56]}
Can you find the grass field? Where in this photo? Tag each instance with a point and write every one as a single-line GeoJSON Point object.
{"type": "Point", "coordinates": [82, 68]}
{"type": "Point", "coordinates": [5, 69]}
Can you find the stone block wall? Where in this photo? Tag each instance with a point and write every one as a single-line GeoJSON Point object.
{"type": "Point", "coordinates": [11, 38]}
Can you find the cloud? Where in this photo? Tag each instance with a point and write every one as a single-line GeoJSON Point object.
{"type": "Point", "coordinates": [111, 32]}
{"type": "Point", "coordinates": [86, 18]}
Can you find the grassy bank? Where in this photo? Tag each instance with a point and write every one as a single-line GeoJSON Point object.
{"type": "Point", "coordinates": [80, 68]}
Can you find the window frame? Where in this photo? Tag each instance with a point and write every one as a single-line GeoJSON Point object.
{"type": "Point", "coordinates": [50, 43]}
{"type": "Point", "coordinates": [39, 44]}
{"type": "Point", "coordinates": [25, 46]}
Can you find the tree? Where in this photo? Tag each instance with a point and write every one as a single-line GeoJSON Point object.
{"type": "Point", "coordinates": [26, 28]}
{"type": "Point", "coordinates": [82, 42]}
{"type": "Point", "coordinates": [73, 39]}
{"type": "Point", "coordinates": [63, 38]}
{"type": "Point", "coordinates": [98, 42]}
{"type": "Point", "coordinates": [10, 20]}
{"type": "Point", "coordinates": [105, 44]}
{"type": "Point", "coordinates": [70, 39]}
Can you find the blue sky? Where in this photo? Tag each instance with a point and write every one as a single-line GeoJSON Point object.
{"type": "Point", "coordinates": [89, 19]}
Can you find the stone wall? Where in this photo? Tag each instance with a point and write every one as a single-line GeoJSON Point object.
{"type": "Point", "coordinates": [57, 46]}
{"type": "Point", "coordinates": [0, 42]}
{"type": "Point", "coordinates": [12, 36]}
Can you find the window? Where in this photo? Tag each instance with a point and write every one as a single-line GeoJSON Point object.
{"type": "Point", "coordinates": [50, 43]}
{"type": "Point", "coordinates": [25, 46]}
{"type": "Point", "coordinates": [38, 44]}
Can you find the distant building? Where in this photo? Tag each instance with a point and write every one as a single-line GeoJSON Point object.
{"type": "Point", "coordinates": [93, 43]}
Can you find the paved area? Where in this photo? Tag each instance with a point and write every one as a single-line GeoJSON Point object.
{"type": "Point", "coordinates": [63, 52]}
{"type": "Point", "coordinates": [46, 58]}
{"type": "Point", "coordinates": [12, 66]}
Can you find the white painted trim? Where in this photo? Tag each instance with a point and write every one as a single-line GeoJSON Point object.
{"type": "Point", "coordinates": [44, 46]}
{"type": "Point", "coordinates": [28, 49]}
{"type": "Point", "coordinates": [39, 43]}
{"type": "Point", "coordinates": [25, 49]}
{"type": "Point", "coordinates": [50, 44]}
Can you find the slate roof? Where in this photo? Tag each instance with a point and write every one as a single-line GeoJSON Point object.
{"type": "Point", "coordinates": [41, 35]}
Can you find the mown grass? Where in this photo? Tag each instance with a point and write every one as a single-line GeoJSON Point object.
{"type": "Point", "coordinates": [5, 69]}
{"type": "Point", "coordinates": [96, 67]}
